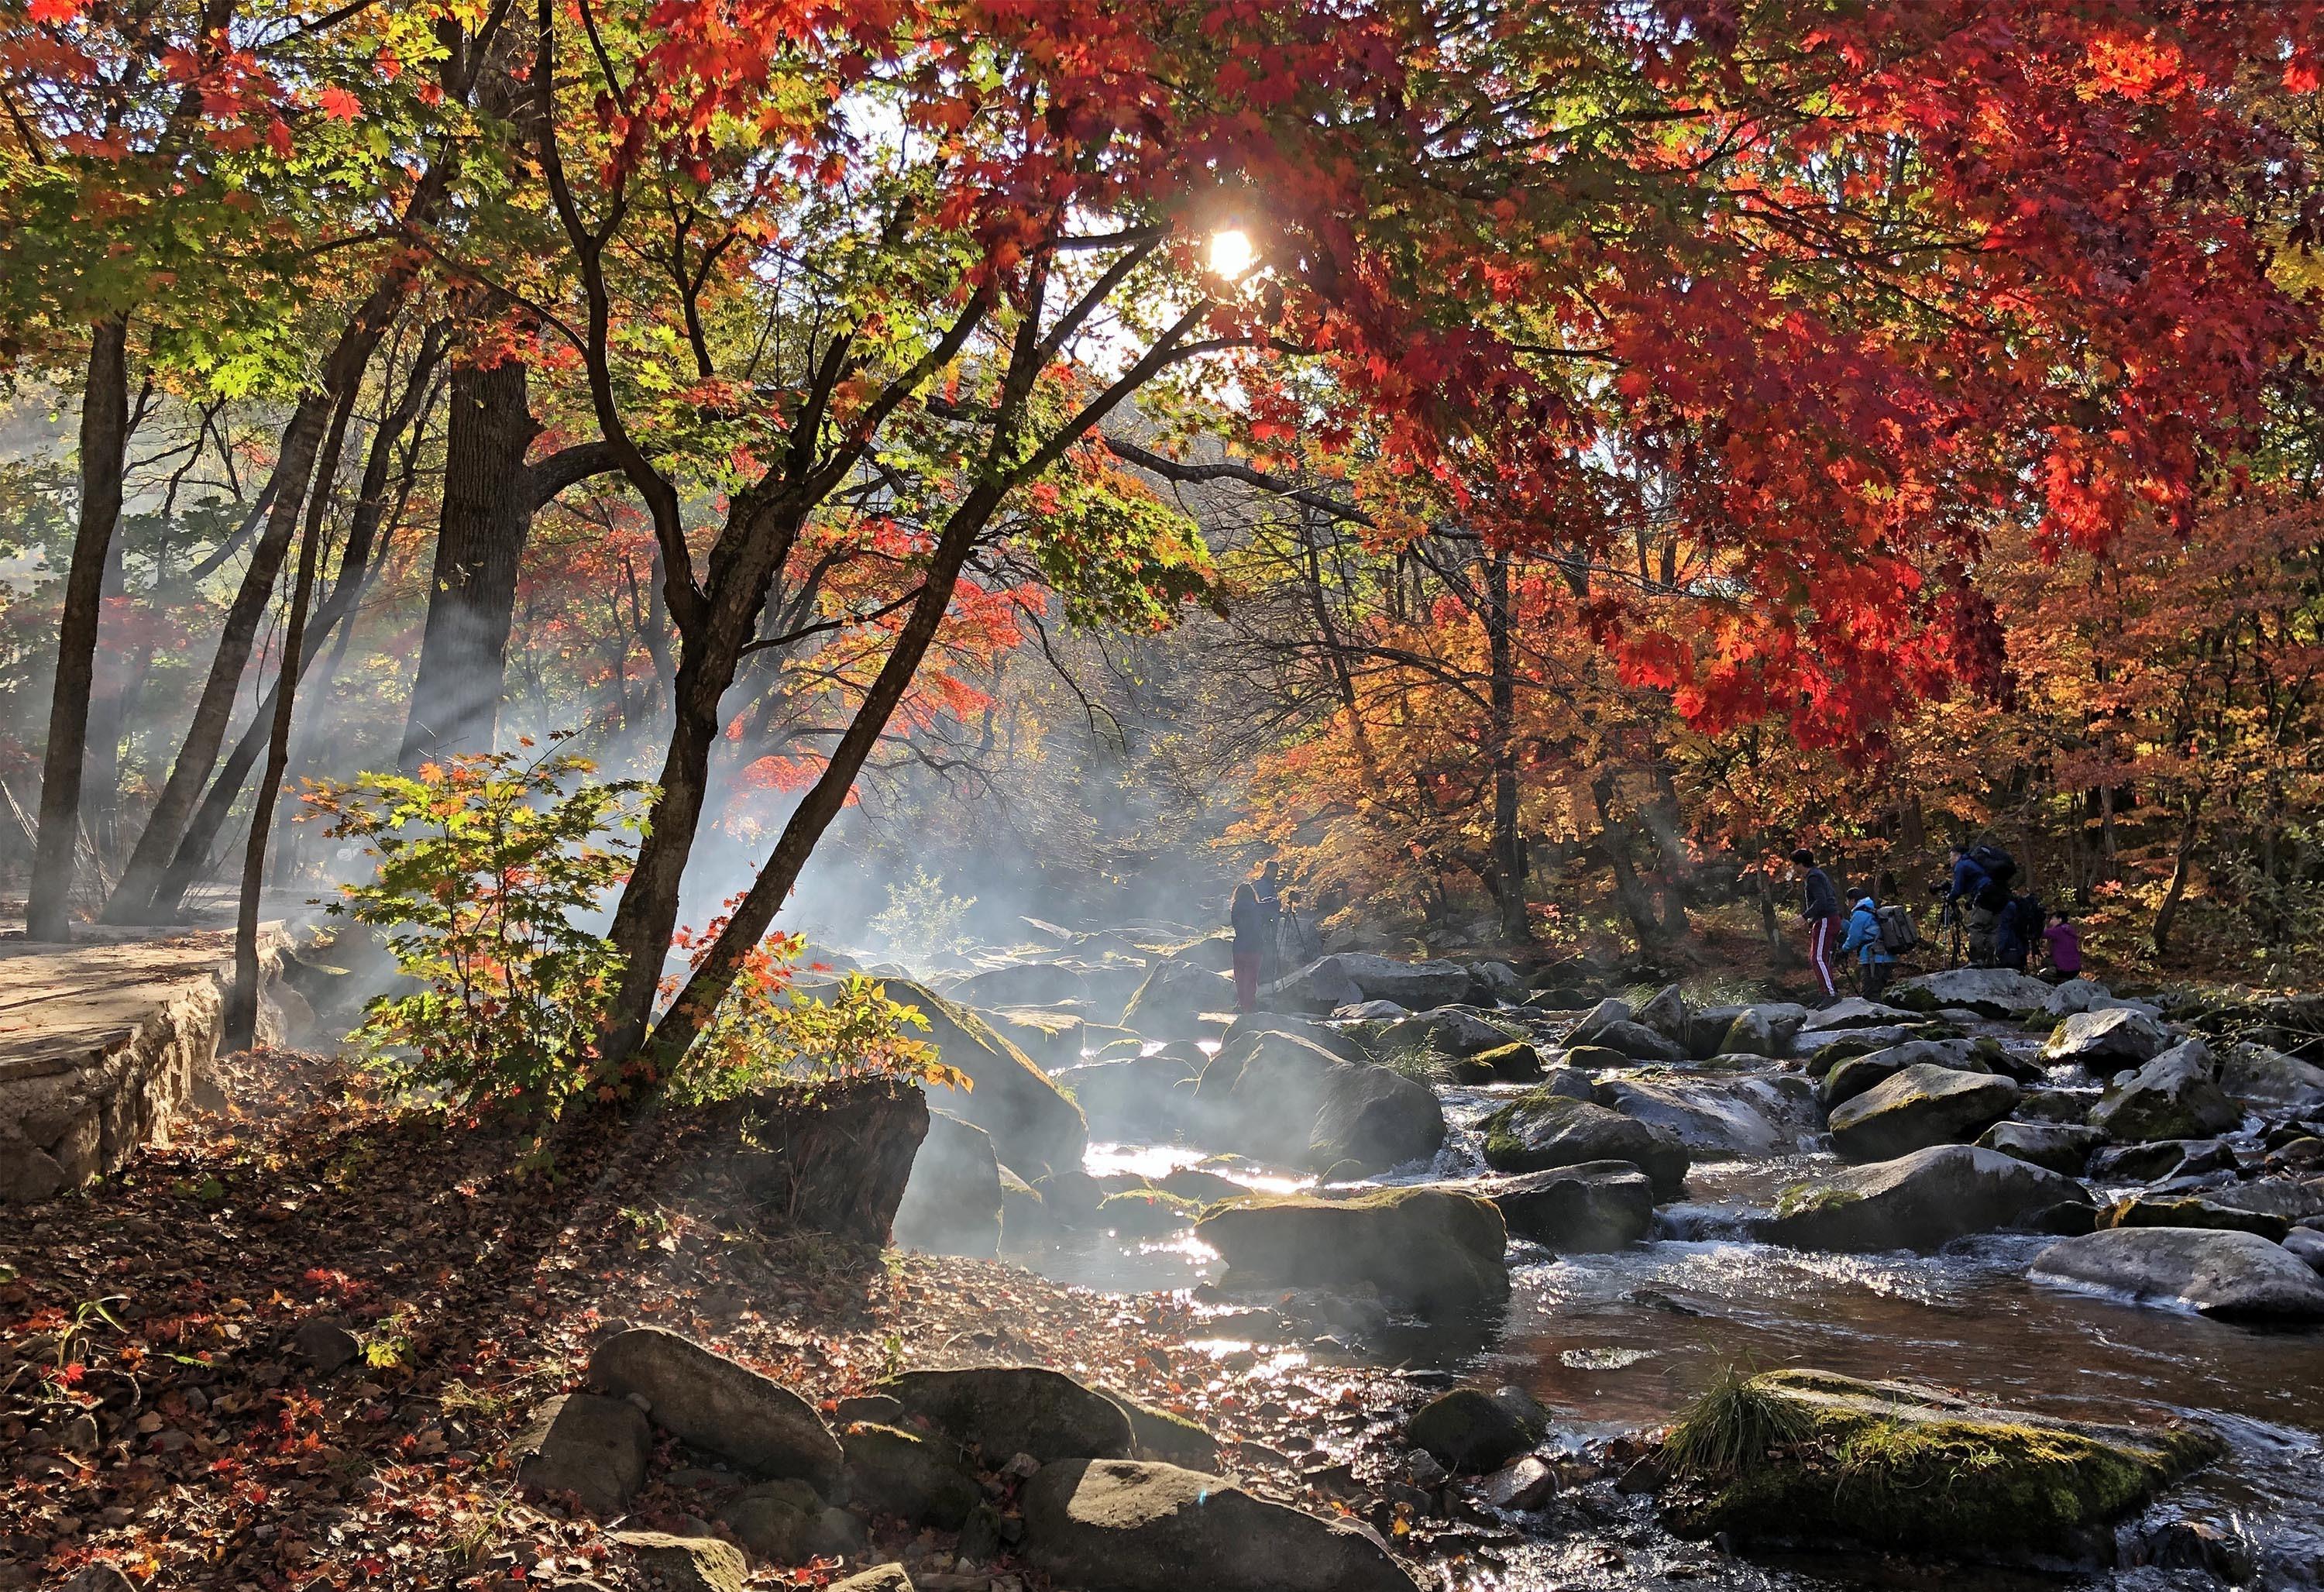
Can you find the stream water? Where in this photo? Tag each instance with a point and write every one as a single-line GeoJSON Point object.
{"type": "Point", "coordinates": [1611, 1343]}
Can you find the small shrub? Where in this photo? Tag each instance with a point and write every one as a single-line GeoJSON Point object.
{"type": "Point", "coordinates": [484, 863]}
{"type": "Point", "coordinates": [920, 925]}
{"type": "Point", "coordinates": [1731, 1426]}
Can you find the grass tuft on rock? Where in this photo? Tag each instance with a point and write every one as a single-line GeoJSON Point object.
{"type": "Point", "coordinates": [1732, 1426]}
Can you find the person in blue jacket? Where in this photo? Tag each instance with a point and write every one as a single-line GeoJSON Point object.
{"type": "Point", "coordinates": [1863, 937]}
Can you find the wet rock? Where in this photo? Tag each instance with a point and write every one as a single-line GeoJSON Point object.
{"type": "Point", "coordinates": [1637, 1042]}
{"type": "Point", "coordinates": [1322, 986]}
{"type": "Point", "coordinates": [1847, 1078]}
{"type": "Point", "coordinates": [1750, 1033]}
{"type": "Point", "coordinates": [1853, 1011]}
{"type": "Point", "coordinates": [1574, 1083]}
{"type": "Point", "coordinates": [2055, 1105]}
{"type": "Point", "coordinates": [882, 1578]}
{"type": "Point", "coordinates": [1283, 1100]}
{"type": "Point", "coordinates": [1415, 986]}
{"type": "Point", "coordinates": [952, 1202]}
{"type": "Point", "coordinates": [712, 1404]}
{"type": "Point", "coordinates": [2158, 1159]}
{"type": "Point", "coordinates": [1515, 1062]}
{"type": "Point", "coordinates": [2085, 995]}
{"type": "Point", "coordinates": [2172, 1097]}
{"type": "Point", "coordinates": [593, 1448]}
{"type": "Point", "coordinates": [2195, 1545]}
{"type": "Point", "coordinates": [2267, 1080]}
{"type": "Point", "coordinates": [2192, 1210]}
{"type": "Point", "coordinates": [1543, 1130]}
{"type": "Point", "coordinates": [1434, 1249]}
{"type": "Point", "coordinates": [1927, 1471]}
{"type": "Point", "coordinates": [2292, 1199]}
{"type": "Point", "coordinates": [1819, 1053]}
{"type": "Point", "coordinates": [1127, 1526]}
{"type": "Point", "coordinates": [1159, 1435]}
{"type": "Point", "coordinates": [1524, 1486]}
{"type": "Point", "coordinates": [1665, 1013]}
{"type": "Point", "coordinates": [1594, 1058]}
{"type": "Point", "coordinates": [1033, 1126]}
{"type": "Point", "coordinates": [2307, 1244]}
{"type": "Point", "coordinates": [784, 1522]}
{"type": "Point", "coordinates": [1470, 1431]}
{"type": "Point", "coordinates": [2235, 1275]}
{"type": "Point", "coordinates": [2062, 1147]}
{"type": "Point", "coordinates": [1920, 1106]}
{"type": "Point", "coordinates": [1333, 1039]}
{"type": "Point", "coordinates": [1447, 1030]}
{"type": "Point", "coordinates": [1496, 979]}
{"type": "Point", "coordinates": [1989, 991]}
{"type": "Point", "coordinates": [1612, 1010]}
{"type": "Point", "coordinates": [1180, 1000]}
{"type": "Point", "coordinates": [919, 1480]}
{"type": "Point", "coordinates": [1145, 1213]}
{"type": "Point", "coordinates": [325, 1345]}
{"type": "Point", "coordinates": [687, 1564]}
{"type": "Point", "coordinates": [1138, 1097]}
{"type": "Point", "coordinates": [1922, 1201]}
{"type": "Point", "coordinates": [1716, 1117]}
{"type": "Point", "coordinates": [1008, 1410]}
{"type": "Point", "coordinates": [1591, 1209]}
{"type": "Point", "coordinates": [2102, 1041]}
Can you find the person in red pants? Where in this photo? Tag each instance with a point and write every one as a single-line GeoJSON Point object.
{"type": "Point", "coordinates": [1820, 904]}
{"type": "Point", "coordinates": [1252, 930]}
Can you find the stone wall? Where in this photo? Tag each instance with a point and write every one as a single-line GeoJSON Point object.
{"type": "Point", "coordinates": [105, 1045]}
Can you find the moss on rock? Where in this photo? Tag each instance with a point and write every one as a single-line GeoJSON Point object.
{"type": "Point", "coordinates": [1898, 1466]}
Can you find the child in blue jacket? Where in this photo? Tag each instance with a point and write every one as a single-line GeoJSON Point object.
{"type": "Point", "coordinates": [1864, 938]}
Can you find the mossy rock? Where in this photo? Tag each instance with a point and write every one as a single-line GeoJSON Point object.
{"type": "Point", "coordinates": [1431, 1249]}
{"type": "Point", "coordinates": [1543, 1130]}
{"type": "Point", "coordinates": [1895, 1466]}
{"type": "Point", "coordinates": [1165, 1437]}
{"type": "Point", "coordinates": [1146, 1213]}
{"type": "Point", "coordinates": [1911, 998]}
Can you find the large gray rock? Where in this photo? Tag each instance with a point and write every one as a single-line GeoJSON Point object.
{"type": "Point", "coordinates": [1448, 1030]}
{"type": "Point", "coordinates": [2267, 1080]}
{"type": "Point", "coordinates": [1922, 1201]}
{"type": "Point", "coordinates": [2231, 1274]}
{"type": "Point", "coordinates": [593, 1448]}
{"type": "Point", "coordinates": [1989, 991]}
{"type": "Point", "coordinates": [1279, 1098]}
{"type": "Point", "coordinates": [1008, 1410]}
{"type": "Point", "coordinates": [1470, 1431]}
{"type": "Point", "coordinates": [710, 1403]}
{"type": "Point", "coordinates": [1636, 1041]}
{"type": "Point", "coordinates": [918, 1479]}
{"type": "Point", "coordinates": [1432, 1249]}
{"type": "Point", "coordinates": [686, 1564]}
{"type": "Point", "coordinates": [1752, 1116]}
{"type": "Point", "coordinates": [1919, 1107]}
{"type": "Point", "coordinates": [1021, 983]}
{"type": "Point", "coordinates": [1748, 1033]}
{"type": "Point", "coordinates": [2062, 1147]}
{"type": "Point", "coordinates": [1142, 1097]}
{"type": "Point", "coordinates": [1180, 1000]}
{"type": "Point", "coordinates": [1335, 1040]}
{"type": "Point", "coordinates": [1612, 1010]}
{"type": "Point", "coordinates": [2172, 1097]}
{"type": "Point", "coordinates": [1034, 1127]}
{"type": "Point", "coordinates": [1121, 1525]}
{"type": "Point", "coordinates": [1322, 986]}
{"type": "Point", "coordinates": [1843, 1080]}
{"type": "Point", "coordinates": [784, 1522]}
{"type": "Point", "coordinates": [1593, 1209]}
{"type": "Point", "coordinates": [952, 1202]}
{"type": "Point", "coordinates": [1665, 1013]}
{"type": "Point", "coordinates": [1414, 985]}
{"type": "Point", "coordinates": [2104, 1041]}
{"type": "Point", "coordinates": [1853, 1011]}
{"type": "Point", "coordinates": [1543, 1130]}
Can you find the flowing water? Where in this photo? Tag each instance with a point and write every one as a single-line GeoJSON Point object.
{"type": "Point", "coordinates": [1611, 1343]}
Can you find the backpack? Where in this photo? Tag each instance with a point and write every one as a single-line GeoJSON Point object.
{"type": "Point", "coordinates": [1998, 867]}
{"type": "Point", "coordinates": [1897, 932]}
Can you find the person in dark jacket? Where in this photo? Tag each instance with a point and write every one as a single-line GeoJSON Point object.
{"type": "Point", "coordinates": [1971, 898]}
{"type": "Point", "coordinates": [1252, 930]}
{"type": "Point", "coordinates": [1269, 891]}
{"type": "Point", "coordinates": [1820, 907]}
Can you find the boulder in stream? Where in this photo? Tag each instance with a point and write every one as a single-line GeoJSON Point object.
{"type": "Point", "coordinates": [1180, 1000]}
{"type": "Point", "coordinates": [2063, 1147]}
{"type": "Point", "coordinates": [1920, 1106]}
{"type": "Point", "coordinates": [1322, 986]}
{"type": "Point", "coordinates": [2266, 1080]}
{"type": "Point", "coordinates": [1125, 1525]}
{"type": "Point", "coordinates": [1033, 1126]}
{"type": "Point", "coordinates": [1853, 1011]}
{"type": "Point", "coordinates": [1543, 1130]}
{"type": "Point", "coordinates": [2104, 1041]}
{"type": "Point", "coordinates": [1921, 1470]}
{"type": "Point", "coordinates": [2233, 1275]}
{"type": "Point", "coordinates": [952, 1202]}
{"type": "Point", "coordinates": [1593, 1209]}
{"type": "Point", "coordinates": [1447, 1030]}
{"type": "Point", "coordinates": [1415, 986]}
{"type": "Point", "coordinates": [1470, 1432]}
{"type": "Point", "coordinates": [2172, 1097]}
{"type": "Point", "coordinates": [2192, 1211]}
{"type": "Point", "coordinates": [1989, 991]}
{"type": "Point", "coordinates": [1753, 1116]}
{"type": "Point", "coordinates": [1749, 1033]}
{"type": "Point", "coordinates": [1139, 1097]}
{"type": "Point", "coordinates": [1612, 1010]}
{"type": "Point", "coordinates": [1922, 1201]}
{"type": "Point", "coordinates": [1281, 1098]}
{"type": "Point", "coordinates": [1850, 1076]}
{"type": "Point", "coordinates": [1432, 1249]}
{"type": "Point", "coordinates": [1010, 1410]}
{"type": "Point", "coordinates": [1514, 1062]}
{"type": "Point", "coordinates": [1665, 1013]}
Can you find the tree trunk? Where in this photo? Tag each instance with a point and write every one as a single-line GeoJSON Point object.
{"type": "Point", "coordinates": [241, 998]}
{"type": "Point", "coordinates": [1637, 904]}
{"type": "Point", "coordinates": [112, 686]}
{"type": "Point", "coordinates": [1500, 739]}
{"type": "Point", "coordinates": [455, 696]}
{"type": "Point", "coordinates": [104, 446]}
{"type": "Point", "coordinates": [133, 897]}
{"type": "Point", "coordinates": [2183, 865]}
